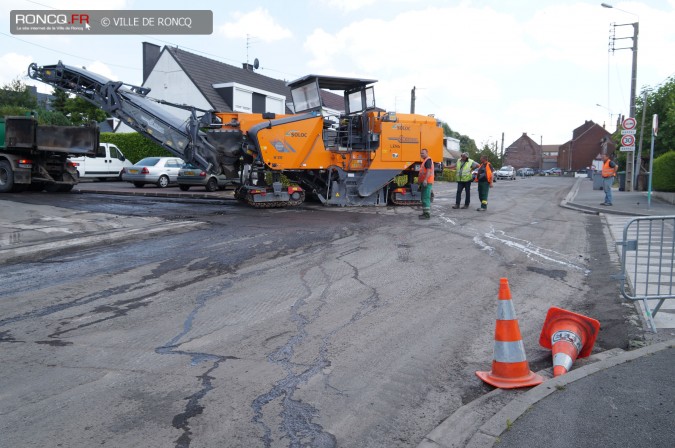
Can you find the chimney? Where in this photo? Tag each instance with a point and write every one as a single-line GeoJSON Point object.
{"type": "Point", "coordinates": [247, 66]}
{"type": "Point", "coordinates": [150, 56]}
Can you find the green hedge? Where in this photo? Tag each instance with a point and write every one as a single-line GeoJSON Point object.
{"type": "Point", "coordinates": [134, 146]}
{"type": "Point", "coordinates": [664, 172]}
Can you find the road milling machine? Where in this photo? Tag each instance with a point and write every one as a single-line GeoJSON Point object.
{"type": "Point", "coordinates": [362, 156]}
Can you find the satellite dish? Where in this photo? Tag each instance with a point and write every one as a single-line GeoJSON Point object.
{"type": "Point", "coordinates": [256, 63]}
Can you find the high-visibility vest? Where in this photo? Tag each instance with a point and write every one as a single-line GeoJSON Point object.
{"type": "Point", "coordinates": [608, 171]}
{"type": "Point", "coordinates": [424, 172]}
{"type": "Point", "coordinates": [464, 170]}
{"type": "Point", "coordinates": [484, 173]}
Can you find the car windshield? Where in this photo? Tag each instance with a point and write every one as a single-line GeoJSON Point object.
{"type": "Point", "coordinates": [148, 161]}
{"type": "Point", "coordinates": [189, 166]}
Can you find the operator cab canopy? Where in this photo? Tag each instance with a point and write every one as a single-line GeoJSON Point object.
{"type": "Point", "coordinates": [359, 95]}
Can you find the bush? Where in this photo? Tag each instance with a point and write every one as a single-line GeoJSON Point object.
{"type": "Point", "coordinates": [134, 146]}
{"type": "Point", "coordinates": [448, 175]}
{"type": "Point", "coordinates": [664, 172]}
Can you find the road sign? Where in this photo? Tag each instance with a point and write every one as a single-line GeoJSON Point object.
{"type": "Point", "coordinates": [628, 140]}
{"type": "Point", "coordinates": [627, 148]}
{"type": "Point", "coordinates": [628, 131]}
{"type": "Point", "coordinates": [629, 123]}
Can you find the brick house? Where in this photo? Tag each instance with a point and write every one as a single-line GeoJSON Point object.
{"type": "Point", "coordinates": [589, 141]}
{"type": "Point", "coordinates": [523, 153]}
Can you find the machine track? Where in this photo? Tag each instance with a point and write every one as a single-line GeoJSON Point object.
{"type": "Point", "coordinates": [248, 199]}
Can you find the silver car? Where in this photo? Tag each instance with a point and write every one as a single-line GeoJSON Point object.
{"type": "Point", "coordinates": [191, 175]}
{"type": "Point", "coordinates": [506, 172]}
{"type": "Point", "coordinates": [161, 171]}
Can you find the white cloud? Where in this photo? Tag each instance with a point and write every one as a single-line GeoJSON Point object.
{"type": "Point", "coordinates": [484, 70]}
{"type": "Point", "coordinates": [258, 24]}
{"type": "Point", "coordinates": [100, 68]}
{"type": "Point", "coordinates": [13, 66]}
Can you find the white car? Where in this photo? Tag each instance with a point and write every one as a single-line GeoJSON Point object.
{"type": "Point", "coordinates": [506, 172]}
{"type": "Point", "coordinates": [161, 171]}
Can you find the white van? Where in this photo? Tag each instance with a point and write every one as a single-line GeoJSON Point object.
{"type": "Point", "coordinates": [108, 162]}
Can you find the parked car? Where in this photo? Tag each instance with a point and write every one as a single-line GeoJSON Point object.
{"type": "Point", "coordinates": [190, 175]}
{"type": "Point", "coordinates": [161, 171]}
{"type": "Point", "coordinates": [526, 172]}
{"type": "Point", "coordinates": [506, 172]}
{"type": "Point", "coordinates": [553, 172]}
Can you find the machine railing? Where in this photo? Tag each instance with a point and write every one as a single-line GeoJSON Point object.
{"type": "Point", "coordinates": [648, 262]}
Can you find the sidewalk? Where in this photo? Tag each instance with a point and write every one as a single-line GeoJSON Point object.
{"type": "Point", "coordinates": [614, 398]}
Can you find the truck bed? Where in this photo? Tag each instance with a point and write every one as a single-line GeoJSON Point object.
{"type": "Point", "coordinates": [25, 133]}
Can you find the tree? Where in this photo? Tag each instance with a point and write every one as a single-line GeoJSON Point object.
{"type": "Point", "coordinates": [82, 111]}
{"type": "Point", "coordinates": [17, 94]}
{"type": "Point", "coordinates": [660, 101]}
{"type": "Point", "coordinates": [466, 143]}
{"type": "Point", "coordinates": [493, 158]}
{"type": "Point", "coordinates": [61, 99]}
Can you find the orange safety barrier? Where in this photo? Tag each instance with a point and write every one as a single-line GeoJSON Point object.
{"type": "Point", "coordinates": [510, 368]}
{"type": "Point", "coordinates": [569, 335]}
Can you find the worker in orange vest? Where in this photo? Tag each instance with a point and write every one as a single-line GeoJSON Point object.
{"type": "Point", "coordinates": [609, 168]}
{"type": "Point", "coordinates": [484, 179]}
{"type": "Point", "coordinates": [425, 178]}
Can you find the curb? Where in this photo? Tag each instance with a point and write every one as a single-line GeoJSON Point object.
{"type": "Point", "coordinates": [480, 423]}
{"type": "Point", "coordinates": [489, 432]}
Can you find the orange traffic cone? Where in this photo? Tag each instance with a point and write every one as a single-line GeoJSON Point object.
{"type": "Point", "coordinates": [569, 335]}
{"type": "Point", "coordinates": [510, 368]}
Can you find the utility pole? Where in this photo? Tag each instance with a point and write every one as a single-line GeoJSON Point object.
{"type": "Point", "coordinates": [630, 160]}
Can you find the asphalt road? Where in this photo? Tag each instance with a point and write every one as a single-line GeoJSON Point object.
{"type": "Point", "coordinates": [322, 327]}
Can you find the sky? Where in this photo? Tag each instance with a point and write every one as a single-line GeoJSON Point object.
{"type": "Point", "coordinates": [485, 67]}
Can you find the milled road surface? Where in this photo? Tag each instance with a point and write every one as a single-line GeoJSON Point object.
{"type": "Point", "coordinates": [322, 327]}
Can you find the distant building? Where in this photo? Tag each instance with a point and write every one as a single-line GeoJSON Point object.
{"type": "Point", "coordinates": [549, 156]}
{"type": "Point", "coordinates": [451, 150]}
{"type": "Point", "coordinates": [523, 153]}
{"type": "Point", "coordinates": [589, 141]}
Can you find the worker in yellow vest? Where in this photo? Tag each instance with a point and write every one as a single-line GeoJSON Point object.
{"type": "Point", "coordinates": [609, 168]}
{"type": "Point", "coordinates": [464, 178]}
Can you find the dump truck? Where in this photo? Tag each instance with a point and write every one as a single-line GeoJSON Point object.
{"type": "Point", "coordinates": [362, 156]}
{"type": "Point", "coordinates": [35, 157]}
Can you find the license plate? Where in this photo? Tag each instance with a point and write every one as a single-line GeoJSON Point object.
{"type": "Point", "coordinates": [189, 173]}
{"type": "Point", "coordinates": [133, 171]}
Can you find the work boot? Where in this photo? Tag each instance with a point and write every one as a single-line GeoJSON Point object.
{"type": "Point", "coordinates": [455, 206]}
{"type": "Point", "coordinates": [465, 206]}
{"type": "Point", "coordinates": [481, 209]}
{"type": "Point", "coordinates": [425, 215]}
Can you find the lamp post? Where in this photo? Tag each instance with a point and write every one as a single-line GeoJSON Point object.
{"type": "Point", "coordinates": [633, 81]}
{"type": "Point", "coordinates": [541, 150]}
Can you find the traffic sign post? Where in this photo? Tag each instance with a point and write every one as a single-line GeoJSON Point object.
{"type": "Point", "coordinates": [628, 131]}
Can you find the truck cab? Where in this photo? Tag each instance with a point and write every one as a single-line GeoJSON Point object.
{"type": "Point", "coordinates": [108, 162]}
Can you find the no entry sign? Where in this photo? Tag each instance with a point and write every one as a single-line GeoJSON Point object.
{"type": "Point", "coordinates": [629, 124]}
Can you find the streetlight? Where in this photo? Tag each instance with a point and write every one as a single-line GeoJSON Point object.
{"type": "Point", "coordinates": [633, 81]}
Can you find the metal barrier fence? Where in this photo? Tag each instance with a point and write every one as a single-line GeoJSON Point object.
{"type": "Point", "coordinates": [648, 262]}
